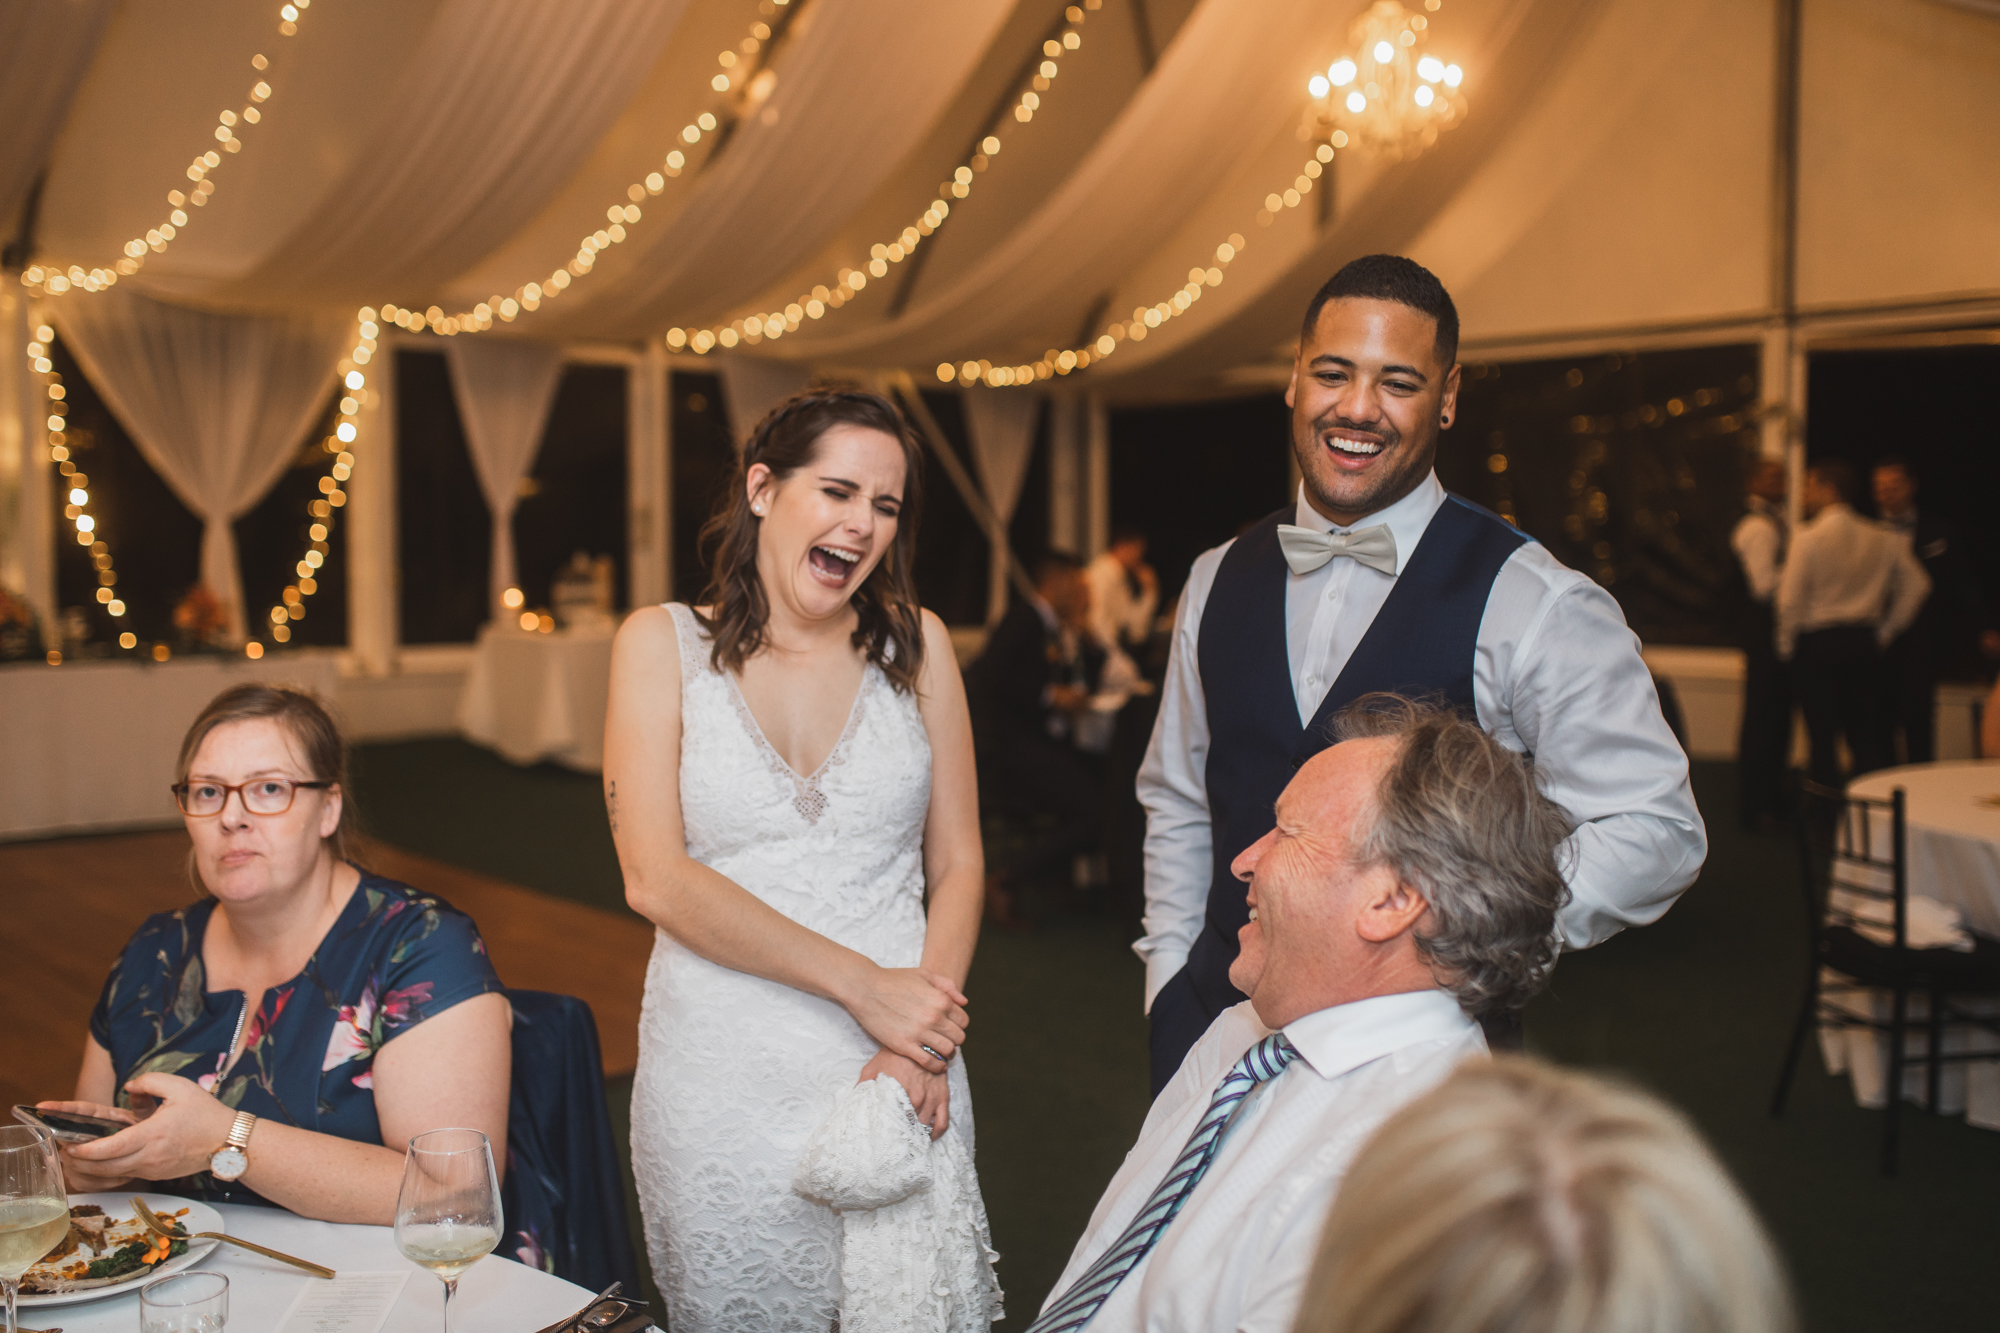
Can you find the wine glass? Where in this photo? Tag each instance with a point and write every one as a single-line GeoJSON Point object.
{"type": "Point", "coordinates": [185, 1303]}
{"type": "Point", "coordinates": [34, 1210]}
{"type": "Point", "coordinates": [448, 1211]}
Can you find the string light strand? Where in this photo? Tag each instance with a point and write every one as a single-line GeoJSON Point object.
{"type": "Point", "coordinates": [76, 509]}
{"type": "Point", "coordinates": [51, 280]}
{"type": "Point", "coordinates": [746, 80]}
{"type": "Point", "coordinates": [848, 282]}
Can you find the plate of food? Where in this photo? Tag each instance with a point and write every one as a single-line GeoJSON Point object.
{"type": "Point", "coordinates": [109, 1251]}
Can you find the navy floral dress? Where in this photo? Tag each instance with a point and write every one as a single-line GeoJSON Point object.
{"type": "Point", "coordinates": [394, 958]}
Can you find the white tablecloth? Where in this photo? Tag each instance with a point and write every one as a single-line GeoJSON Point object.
{"type": "Point", "coordinates": [496, 1295]}
{"type": "Point", "coordinates": [534, 696]}
{"type": "Point", "coordinates": [90, 746]}
{"type": "Point", "coordinates": [1951, 816]}
{"type": "Point", "coordinates": [1952, 854]}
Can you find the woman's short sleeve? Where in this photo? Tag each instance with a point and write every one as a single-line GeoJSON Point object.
{"type": "Point", "coordinates": [428, 957]}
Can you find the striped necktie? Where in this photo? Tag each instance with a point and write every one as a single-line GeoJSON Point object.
{"type": "Point", "coordinates": [1080, 1303]}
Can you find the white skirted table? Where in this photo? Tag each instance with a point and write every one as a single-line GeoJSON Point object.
{"type": "Point", "coordinates": [1951, 817]}
{"type": "Point", "coordinates": [535, 697]}
{"type": "Point", "coordinates": [90, 746]}
{"type": "Point", "coordinates": [496, 1295]}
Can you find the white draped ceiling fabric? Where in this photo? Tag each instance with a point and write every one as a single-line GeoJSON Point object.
{"type": "Point", "coordinates": [1611, 184]}
{"type": "Point", "coordinates": [752, 387]}
{"type": "Point", "coordinates": [218, 404]}
{"type": "Point", "coordinates": [504, 389]}
{"type": "Point", "coordinates": [1001, 428]}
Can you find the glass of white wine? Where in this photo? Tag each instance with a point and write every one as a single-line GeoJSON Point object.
{"type": "Point", "coordinates": [448, 1212]}
{"type": "Point", "coordinates": [34, 1210]}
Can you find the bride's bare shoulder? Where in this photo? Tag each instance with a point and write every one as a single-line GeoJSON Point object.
{"type": "Point", "coordinates": [650, 635]}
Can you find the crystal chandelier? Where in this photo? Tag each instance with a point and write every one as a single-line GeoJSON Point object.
{"type": "Point", "coordinates": [1385, 96]}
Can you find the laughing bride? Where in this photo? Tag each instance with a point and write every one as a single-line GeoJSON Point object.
{"type": "Point", "coordinates": [789, 775]}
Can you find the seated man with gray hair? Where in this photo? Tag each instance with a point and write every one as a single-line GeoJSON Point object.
{"type": "Point", "coordinates": [1410, 886]}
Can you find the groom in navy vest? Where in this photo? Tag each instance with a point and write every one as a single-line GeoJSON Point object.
{"type": "Point", "coordinates": [1378, 579]}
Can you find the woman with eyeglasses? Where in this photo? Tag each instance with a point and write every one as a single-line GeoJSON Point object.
{"type": "Point", "coordinates": [266, 1042]}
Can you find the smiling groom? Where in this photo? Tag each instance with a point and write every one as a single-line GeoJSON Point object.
{"type": "Point", "coordinates": [1378, 579]}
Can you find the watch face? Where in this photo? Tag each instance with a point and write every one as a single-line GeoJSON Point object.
{"type": "Point", "coordinates": [228, 1163]}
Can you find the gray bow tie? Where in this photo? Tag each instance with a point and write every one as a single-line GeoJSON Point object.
{"type": "Point", "coordinates": [1306, 549]}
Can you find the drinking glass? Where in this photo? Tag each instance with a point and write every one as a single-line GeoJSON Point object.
{"type": "Point", "coordinates": [34, 1210]}
{"type": "Point", "coordinates": [448, 1211]}
{"type": "Point", "coordinates": [185, 1303]}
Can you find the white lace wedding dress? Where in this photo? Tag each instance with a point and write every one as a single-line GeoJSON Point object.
{"type": "Point", "coordinates": [736, 1072]}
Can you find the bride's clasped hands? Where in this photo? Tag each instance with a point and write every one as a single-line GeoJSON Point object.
{"type": "Point", "coordinates": [920, 1019]}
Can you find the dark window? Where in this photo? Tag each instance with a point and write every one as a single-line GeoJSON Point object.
{"type": "Point", "coordinates": [1933, 407]}
{"type": "Point", "coordinates": [153, 539]}
{"type": "Point", "coordinates": [574, 498]}
{"type": "Point", "coordinates": [704, 459]}
{"type": "Point", "coordinates": [1629, 466]}
{"type": "Point", "coordinates": [951, 544]}
{"type": "Point", "coordinates": [274, 537]}
{"type": "Point", "coordinates": [1191, 476]}
{"type": "Point", "coordinates": [442, 530]}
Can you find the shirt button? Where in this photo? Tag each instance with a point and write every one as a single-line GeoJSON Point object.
{"type": "Point", "coordinates": [1311, 679]}
{"type": "Point", "coordinates": [1329, 594]}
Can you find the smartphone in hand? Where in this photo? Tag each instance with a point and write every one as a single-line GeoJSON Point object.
{"type": "Point", "coordinates": [67, 1126]}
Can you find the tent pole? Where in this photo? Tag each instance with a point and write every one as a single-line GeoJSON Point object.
{"type": "Point", "coordinates": [649, 548]}
{"type": "Point", "coordinates": [374, 600]}
{"type": "Point", "coordinates": [1784, 370]}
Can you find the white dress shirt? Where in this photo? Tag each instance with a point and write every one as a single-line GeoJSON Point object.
{"type": "Point", "coordinates": [1759, 543]}
{"type": "Point", "coordinates": [1845, 570]}
{"type": "Point", "coordinates": [1237, 1254]}
{"type": "Point", "coordinates": [1556, 673]}
{"type": "Point", "coordinates": [1116, 612]}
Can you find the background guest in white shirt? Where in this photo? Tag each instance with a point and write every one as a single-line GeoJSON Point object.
{"type": "Point", "coordinates": [1124, 594]}
{"type": "Point", "coordinates": [1411, 882]}
{"type": "Point", "coordinates": [1765, 737]}
{"type": "Point", "coordinates": [1849, 587]}
{"type": "Point", "coordinates": [1433, 595]}
{"type": "Point", "coordinates": [1518, 1196]}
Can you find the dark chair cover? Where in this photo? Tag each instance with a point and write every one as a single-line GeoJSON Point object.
{"type": "Point", "coordinates": [564, 1194]}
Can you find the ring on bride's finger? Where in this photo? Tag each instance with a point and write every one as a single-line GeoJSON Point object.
{"type": "Point", "coordinates": [932, 1054]}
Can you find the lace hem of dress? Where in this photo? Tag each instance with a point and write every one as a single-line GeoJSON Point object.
{"type": "Point", "coordinates": [808, 793]}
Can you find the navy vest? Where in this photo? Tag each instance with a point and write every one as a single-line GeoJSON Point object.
{"type": "Point", "coordinates": [1422, 642]}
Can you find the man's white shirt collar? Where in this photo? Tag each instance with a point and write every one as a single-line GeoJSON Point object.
{"type": "Point", "coordinates": [1406, 519]}
{"type": "Point", "coordinates": [1339, 1040]}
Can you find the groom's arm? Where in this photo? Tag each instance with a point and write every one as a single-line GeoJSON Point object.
{"type": "Point", "coordinates": [1173, 788]}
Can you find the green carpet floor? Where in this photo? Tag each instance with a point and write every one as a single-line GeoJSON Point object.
{"type": "Point", "coordinates": [1695, 1008]}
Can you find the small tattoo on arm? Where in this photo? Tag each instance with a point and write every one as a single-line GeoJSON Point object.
{"type": "Point", "coordinates": [611, 804]}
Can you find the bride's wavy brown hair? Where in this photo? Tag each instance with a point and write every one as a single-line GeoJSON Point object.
{"type": "Point", "coordinates": [891, 629]}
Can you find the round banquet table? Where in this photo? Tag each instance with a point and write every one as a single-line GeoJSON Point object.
{"type": "Point", "coordinates": [1951, 819]}
{"type": "Point", "coordinates": [536, 697]}
{"type": "Point", "coordinates": [1951, 815]}
{"type": "Point", "coordinates": [495, 1296]}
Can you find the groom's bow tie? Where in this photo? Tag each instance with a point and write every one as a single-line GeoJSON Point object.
{"type": "Point", "coordinates": [1306, 549]}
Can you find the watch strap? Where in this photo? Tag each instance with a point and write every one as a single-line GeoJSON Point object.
{"type": "Point", "coordinates": [239, 1132]}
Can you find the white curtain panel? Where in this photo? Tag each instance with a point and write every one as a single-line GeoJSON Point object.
{"type": "Point", "coordinates": [858, 88]}
{"type": "Point", "coordinates": [753, 386]}
{"type": "Point", "coordinates": [45, 46]}
{"type": "Point", "coordinates": [1213, 91]}
{"type": "Point", "coordinates": [504, 100]}
{"type": "Point", "coordinates": [504, 389]}
{"type": "Point", "coordinates": [218, 404]}
{"type": "Point", "coordinates": [1001, 424]}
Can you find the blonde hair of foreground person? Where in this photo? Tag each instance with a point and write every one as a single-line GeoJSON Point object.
{"type": "Point", "coordinates": [1520, 1198]}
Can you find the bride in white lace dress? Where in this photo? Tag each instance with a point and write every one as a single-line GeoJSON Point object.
{"type": "Point", "coordinates": [788, 771]}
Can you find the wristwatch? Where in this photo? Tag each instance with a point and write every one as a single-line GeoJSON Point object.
{"type": "Point", "coordinates": [231, 1160]}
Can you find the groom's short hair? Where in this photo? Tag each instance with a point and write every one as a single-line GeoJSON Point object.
{"type": "Point", "coordinates": [1393, 278]}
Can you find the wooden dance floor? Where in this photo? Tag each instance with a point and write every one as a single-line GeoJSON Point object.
{"type": "Point", "coordinates": [71, 903]}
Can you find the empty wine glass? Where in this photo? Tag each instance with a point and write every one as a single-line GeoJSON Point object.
{"type": "Point", "coordinates": [185, 1303]}
{"type": "Point", "coordinates": [448, 1211]}
{"type": "Point", "coordinates": [34, 1210]}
